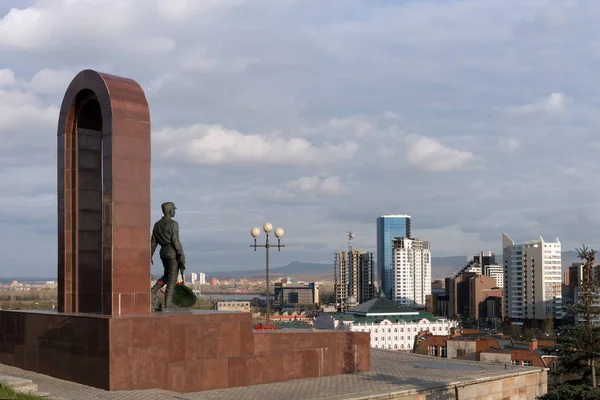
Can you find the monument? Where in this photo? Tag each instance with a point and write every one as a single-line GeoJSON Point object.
{"type": "Point", "coordinates": [104, 333]}
{"type": "Point", "coordinates": [166, 235]}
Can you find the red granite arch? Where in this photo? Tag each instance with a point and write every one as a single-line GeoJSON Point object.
{"type": "Point", "coordinates": [104, 196]}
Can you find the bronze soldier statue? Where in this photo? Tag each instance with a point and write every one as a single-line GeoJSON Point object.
{"type": "Point", "coordinates": [166, 234]}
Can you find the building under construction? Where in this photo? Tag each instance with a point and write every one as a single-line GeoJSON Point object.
{"type": "Point", "coordinates": [354, 273]}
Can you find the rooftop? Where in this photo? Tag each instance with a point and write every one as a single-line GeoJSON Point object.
{"type": "Point", "coordinates": [381, 306]}
{"type": "Point", "coordinates": [392, 318]}
{"type": "Point", "coordinates": [392, 373]}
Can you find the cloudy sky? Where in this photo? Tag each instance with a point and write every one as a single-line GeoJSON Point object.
{"type": "Point", "coordinates": [474, 117]}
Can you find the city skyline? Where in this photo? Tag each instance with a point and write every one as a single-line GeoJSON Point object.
{"type": "Point", "coordinates": [317, 118]}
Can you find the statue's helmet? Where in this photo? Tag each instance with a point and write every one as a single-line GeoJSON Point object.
{"type": "Point", "coordinates": [168, 206]}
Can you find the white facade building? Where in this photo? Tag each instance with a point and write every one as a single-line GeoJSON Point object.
{"type": "Point", "coordinates": [393, 333]}
{"type": "Point", "coordinates": [201, 278]}
{"type": "Point", "coordinates": [532, 280]}
{"type": "Point", "coordinates": [391, 325]}
{"type": "Point", "coordinates": [411, 272]}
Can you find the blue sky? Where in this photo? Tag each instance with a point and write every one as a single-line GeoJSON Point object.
{"type": "Point", "coordinates": [474, 117]}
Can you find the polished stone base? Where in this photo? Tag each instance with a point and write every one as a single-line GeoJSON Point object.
{"type": "Point", "coordinates": [184, 351]}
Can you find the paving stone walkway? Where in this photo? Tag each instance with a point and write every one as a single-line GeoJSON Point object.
{"type": "Point", "coordinates": [391, 372]}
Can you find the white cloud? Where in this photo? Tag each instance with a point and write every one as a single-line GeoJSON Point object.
{"type": "Point", "coordinates": [297, 112]}
{"type": "Point", "coordinates": [49, 81]}
{"type": "Point", "coordinates": [554, 104]}
{"type": "Point", "coordinates": [329, 185]}
{"type": "Point", "coordinates": [214, 144]}
{"type": "Point", "coordinates": [7, 77]}
{"type": "Point", "coordinates": [53, 24]}
{"type": "Point", "coordinates": [429, 154]}
{"type": "Point", "coordinates": [19, 110]}
{"type": "Point", "coordinates": [509, 145]}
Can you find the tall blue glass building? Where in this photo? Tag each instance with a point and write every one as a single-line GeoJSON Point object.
{"type": "Point", "coordinates": [388, 228]}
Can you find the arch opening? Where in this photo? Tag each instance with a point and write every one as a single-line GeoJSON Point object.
{"type": "Point", "coordinates": [89, 139]}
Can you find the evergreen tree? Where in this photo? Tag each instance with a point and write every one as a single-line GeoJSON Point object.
{"type": "Point", "coordinates": [578, 347]}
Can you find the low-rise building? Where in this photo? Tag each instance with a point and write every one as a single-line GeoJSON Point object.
{"type": "Point", "coordinates": [233, 306]}
{"type": "Point", "coordinates": [296, 295]}
{"type": "Point", "coordinates": [485, 347]}
{"type": "Point", "coordinates": [392, 326]}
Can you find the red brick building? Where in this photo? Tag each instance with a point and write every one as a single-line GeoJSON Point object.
{"type": "Point", "coordinates": [485, 347]}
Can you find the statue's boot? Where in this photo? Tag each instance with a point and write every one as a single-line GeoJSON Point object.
{"type": "Point", "coordinates": [169, 298]}
{"type": "Point", "coordinates": [156, 305]}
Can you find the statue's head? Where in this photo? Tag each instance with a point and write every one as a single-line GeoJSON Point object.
{"type": "Point", "coordinates": [168, 208]}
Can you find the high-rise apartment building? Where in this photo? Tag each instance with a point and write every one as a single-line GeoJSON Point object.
{"type": "Point", "coordinates": [198, 278]}
{"type": "Point", "coordinates": [389, 227]}
{"type": "Point", "coordinates": [532, 280]}
{"type": "Point", "coordinates": [484, 263]}
{"type": "Point", "coordinates": [354, 275]}
{"type": "Point", "coordinates": [411, 271]}
{"type": "Point", "coordinates": [484, 258]}
{"type": "Point", "coordinates": [469, 294]}
{"type": "Point", "coordinates": [496, 272]}
{"type": "Point", "coordinates": [481, 289]}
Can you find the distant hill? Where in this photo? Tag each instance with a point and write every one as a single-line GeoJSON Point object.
{"type": "Point", "coordinates": [446, 266]}
{"type": "Point", "coordinates": [293, 268]}
{"type": "Point", "coordinates": [441, 267]}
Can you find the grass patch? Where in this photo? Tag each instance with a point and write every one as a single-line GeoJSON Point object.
{"type": "Point", "coordinates": [7, 393]}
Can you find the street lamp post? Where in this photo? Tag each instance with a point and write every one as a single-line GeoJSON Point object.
{"type": "Point", "coordinates": [255, 232]}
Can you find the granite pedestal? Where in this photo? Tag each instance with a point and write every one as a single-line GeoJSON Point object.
{"type": "Point", "coordinates": [182, 352]}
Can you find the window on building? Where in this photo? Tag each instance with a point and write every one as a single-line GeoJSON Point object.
{"type": "Point", "coordinates": [527, 363]}
{"type": "Point", "coordinates": [444, 352]}
{"type": "Point", "coordinates": [433, 350]}
{"type": "Point", "coordinates": [395, 329]}
{"type": "Point", "coordinates": [515, 362]}
{"type": "Point", "coordinates": [395, 346]}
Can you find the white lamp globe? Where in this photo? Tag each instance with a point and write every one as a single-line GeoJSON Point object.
{"type": "Point", "coordinates": [267, 227]}
{"type": "Point", "coordinates": [255, 232]}
{"type": "Point", "coordinates": [279, 233]}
